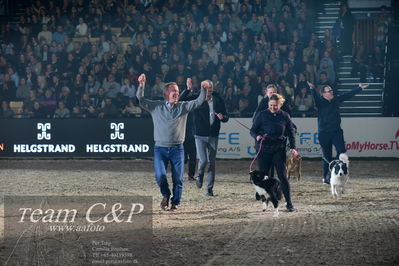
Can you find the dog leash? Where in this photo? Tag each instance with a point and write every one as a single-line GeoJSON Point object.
{"type": "Point", "coordinates": [241, 124]}
{"type": "Point", "coordinates": [260, 148]}
{"type": "Point", "coordinates": [256, 156]}
{"type": "Point", "coordinates": [324, 159]}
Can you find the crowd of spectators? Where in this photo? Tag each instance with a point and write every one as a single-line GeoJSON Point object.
{"type": "Point", "coordinates": [82, 58]}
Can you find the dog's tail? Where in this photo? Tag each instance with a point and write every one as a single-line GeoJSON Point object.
{"type": "Point", "coordinates": [343, 157]}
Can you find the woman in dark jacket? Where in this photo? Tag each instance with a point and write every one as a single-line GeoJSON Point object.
{"type": "Point", "coordinates": [270, 128]}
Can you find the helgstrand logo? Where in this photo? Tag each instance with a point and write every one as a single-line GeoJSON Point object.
{"type": "Point", "coordinates": [117, 134]}
{"type": "Point", "coordinates": [43, 131]}
{"type": "Point", "coordinates": [38, 148]}
{"type": "Point", "coordinates": [117, 128]}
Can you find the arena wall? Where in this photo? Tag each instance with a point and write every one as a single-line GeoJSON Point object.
{"type": "Point", "coordinates": [133, 138]}
{"type": "Point", "coordinates": [76, 138]}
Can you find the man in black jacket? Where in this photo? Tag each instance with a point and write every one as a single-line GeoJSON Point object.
{"type": "Point", "coordinates": [329, 122]}
{"type": "Point", "coordinates": [207, 126]}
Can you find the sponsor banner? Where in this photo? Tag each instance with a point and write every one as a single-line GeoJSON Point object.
{"type": "Point", "coordinates": [70, 138]}
{"type": "Point", "coordinates": [77, 230]}
{"type": "Point", "coordinates": [372, 137]}
{"type": "Point", "coordinates": [365, 137]}
{"type": "Point", "coordinates": [91, 138]}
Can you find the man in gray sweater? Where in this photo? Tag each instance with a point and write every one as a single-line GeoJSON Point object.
{"type": "Point", "coordinates": [169, 117]}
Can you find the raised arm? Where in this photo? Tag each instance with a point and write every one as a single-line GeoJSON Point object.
{"type": "Point", "coordinates": [186, 95]}
{"type": "Point", "coordinates": [194, 104]}
{"type": "Point", "coordinates": [316, 97]}
{"type": "Point", "coordinates": [140, 90]}
{"type": "Point", "coordinates": [347, 95]}
{"type": "Point", "coordinates": [146, 104]}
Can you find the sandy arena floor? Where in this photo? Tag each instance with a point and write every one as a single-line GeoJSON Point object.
{"type": "Point", "coordinates": [230, 229]}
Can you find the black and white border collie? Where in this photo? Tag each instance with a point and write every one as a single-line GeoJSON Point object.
{"type": "Point", "coordinates": [339, 170]}
{"type": "Point", "coordinates": [267, 189]}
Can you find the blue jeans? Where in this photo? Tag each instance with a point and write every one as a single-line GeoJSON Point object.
{"type": "Point", "coordinates": [174, 155]}
{"type": "Point", "coordinates": [206, 150]}
{"type": "Point", "coordinates": [327, 140]}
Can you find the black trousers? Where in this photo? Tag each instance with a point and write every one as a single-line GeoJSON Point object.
{"type": "Point", "coordinates": [327, 140]}
{"type": "Point", "coordinates": [271, 172]}
{"type": "Point", "coordinates": [190, 155]}
{"type": "Point", "coordinates": [275, 155]}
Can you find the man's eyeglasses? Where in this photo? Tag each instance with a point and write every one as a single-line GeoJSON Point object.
{"type": "Point", "coordinates": [330, 91]}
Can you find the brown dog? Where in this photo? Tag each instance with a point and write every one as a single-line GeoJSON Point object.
{"type": "Point", "coordinates": [294, 164]}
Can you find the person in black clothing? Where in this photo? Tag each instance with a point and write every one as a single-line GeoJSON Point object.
{"type": "Point", "coordinates": [329, 122]}
{"type": "Point", "coordinates": [207, 126]}
{"type": "Point", "coordinates": [264, 105]}
{"type": "Point", "coordinates": [190, 151]}
{"type": "Point", "coordinates": [270, 129]}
